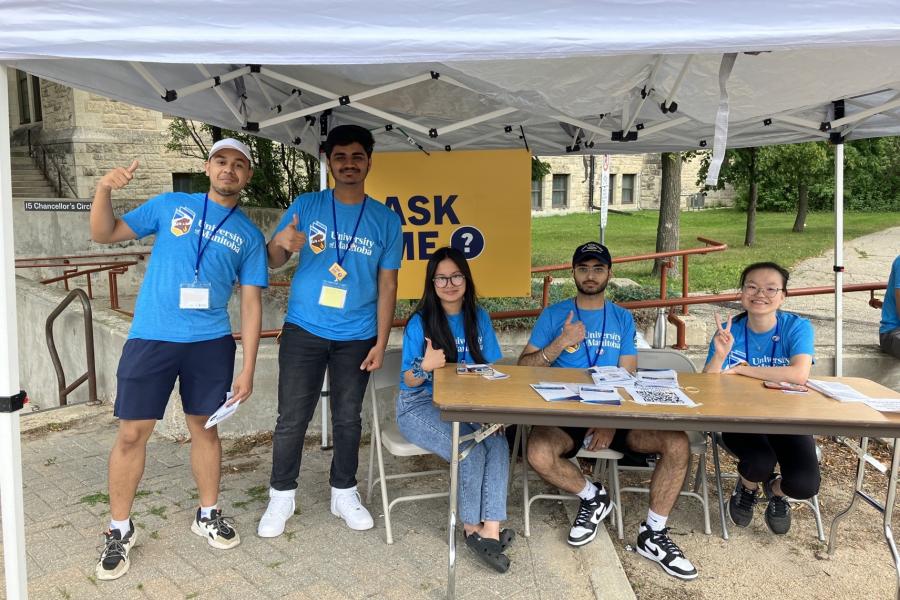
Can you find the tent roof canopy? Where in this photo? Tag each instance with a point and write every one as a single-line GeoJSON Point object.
{"type": "Point", "coordinates": [558, 77]}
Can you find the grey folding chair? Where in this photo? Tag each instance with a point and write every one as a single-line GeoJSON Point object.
{"type": "Point", "coordinates": [812, 503]}
{"type": "Point", "coordinates": [389, 438]}
{"type": "Point", "coordinates": [605, 465]}
{"type": "Point", "coordinates": [664, 358]}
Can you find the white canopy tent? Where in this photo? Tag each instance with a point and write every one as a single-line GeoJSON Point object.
{"type": "Point", "coordinates": [557, 77]}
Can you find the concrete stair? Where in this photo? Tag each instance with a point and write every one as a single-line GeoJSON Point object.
{"type": "Point", "coordinates": [27, 179]}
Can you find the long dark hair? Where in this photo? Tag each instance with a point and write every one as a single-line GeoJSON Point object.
{"type": "Point", "coordinates": [434, 319]}
{"type": "Point", "coordinates": [763, 265]}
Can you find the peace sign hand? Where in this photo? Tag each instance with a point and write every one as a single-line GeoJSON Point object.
{"type": "Point", "coordinates": [723, 340]}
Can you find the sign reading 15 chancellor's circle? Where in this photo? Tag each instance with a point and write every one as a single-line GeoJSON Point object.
{"type": "Point", "coordinates": [477, 201]}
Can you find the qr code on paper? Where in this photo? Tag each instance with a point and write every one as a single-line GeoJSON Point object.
{"type": "Point", "coordinates": [659, 396]}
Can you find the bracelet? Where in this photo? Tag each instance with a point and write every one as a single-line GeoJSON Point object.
{"type": "Point", "coordinates": [546, 360]}
{"type": "Point", "coordinates": [420, 373]}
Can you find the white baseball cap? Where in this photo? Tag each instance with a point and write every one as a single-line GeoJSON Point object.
{"type": "Point", "coordinates": [234, 145]}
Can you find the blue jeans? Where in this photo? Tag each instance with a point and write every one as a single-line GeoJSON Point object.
{"type": "Point", "coordinates": [483, 473]}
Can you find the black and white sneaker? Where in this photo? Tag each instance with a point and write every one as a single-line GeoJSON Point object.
{"type": "Point", "coordinates": [114, 561]}
{"type": "Point", "coordinates": [590, 513]}
{"type": "Point", "coordinates": [217, 529]}
{"type": "Point", "coordinates": [778, 511]}
{"type": "Point", "coordinates": [657, 546]}
{"type": "Point", "coordinates": [741, 503]}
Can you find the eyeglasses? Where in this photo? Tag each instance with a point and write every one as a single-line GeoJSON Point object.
{"type": "Point", "coordinates": [597, 270]}
{"type": "Point", "coordinates": [456, 280]}
{"type": "Point", "coordinates": [752, 290]}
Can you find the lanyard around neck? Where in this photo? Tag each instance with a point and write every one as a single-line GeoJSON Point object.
{"type": "Point", "coordinates": [775, 339]}
{"type": "Point", "coordinates": [201, 248]}
{"type": "Point", "coordinates": [593, 361]}
{"type": "Point", "coordinates": [337, 244]}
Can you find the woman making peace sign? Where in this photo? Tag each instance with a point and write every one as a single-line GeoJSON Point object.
{"type": "Point", "coordinates": [765, 343]}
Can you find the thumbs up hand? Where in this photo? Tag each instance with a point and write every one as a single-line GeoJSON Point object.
{"type": "Point", "coordinates": [118, 177]}
{"type": "Point", "coordinates": [572, 332]}
{"type": "Point", "coordinates": [434, 357]}
{"type": "Point", "coordinates": [289, 238]}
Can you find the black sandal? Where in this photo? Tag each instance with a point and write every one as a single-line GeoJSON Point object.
{"type": "Point", "coordinates": [489, 551]}
{"type": "Point", "coordinates": [507, 536]}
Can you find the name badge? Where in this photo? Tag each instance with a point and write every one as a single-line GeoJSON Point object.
{"type": "Point", "coordinates": [333, 295]}
{"type": "Point", "coordinates": [194, 296]}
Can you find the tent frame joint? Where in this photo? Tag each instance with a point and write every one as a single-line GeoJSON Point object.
{"type": "Point", "coordinates": [171, 96]}
{"type": "Point", "coordinates": [10, 404]}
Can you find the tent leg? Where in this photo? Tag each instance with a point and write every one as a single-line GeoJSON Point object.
{"type": "Point", "coordinates": [11, 504]}
{"type": "Point", "coordinates": [839, 260]}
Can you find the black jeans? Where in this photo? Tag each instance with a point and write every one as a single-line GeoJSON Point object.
{"type": "Point", "coordinates": [890, 342]}
{"type": "Point", "coordinates": [302, 360]}
{"type": "Point", "coordinates": [758, 453]}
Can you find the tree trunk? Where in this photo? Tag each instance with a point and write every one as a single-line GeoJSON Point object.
{"type": "Point", "coordinates": [669, 208]}
{"type": "Point", "coordinates": [802, 206]}
{"type": "Point", "coordinates": [750, 234]}
{"type": "Point", "coordinates": [216, 133]}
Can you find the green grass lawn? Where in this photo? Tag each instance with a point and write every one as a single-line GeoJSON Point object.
{"type": "Point", "coordinates": [553, 240]}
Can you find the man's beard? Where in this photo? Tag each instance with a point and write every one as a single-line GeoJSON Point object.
{"type": "Point", "coordinates": [599, 290]}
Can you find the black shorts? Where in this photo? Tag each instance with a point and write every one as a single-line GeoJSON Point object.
{"type": "Point", "coordinates": [148, 369]}
{"type": "Point", "coordinates": [619, 443]}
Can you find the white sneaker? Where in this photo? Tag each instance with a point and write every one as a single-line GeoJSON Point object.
{"type": "Point", "coordinates": [281, 508]}
{"type": "Point", "coordinates": [347, 505]}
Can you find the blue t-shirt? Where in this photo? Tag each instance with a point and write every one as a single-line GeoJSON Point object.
{"type": "Point", "coordinates": [889, 319]}
{"type": "Point", "coordinates": [414, 342]}
{"type": "Point", "coordinates": [618, 337]}
{"type": "Point", "coordinates": [794, 333]}
{"type": "Point", "coordinates": [236, 253]}
{"type": "Point", "coordinates": [378, 245]}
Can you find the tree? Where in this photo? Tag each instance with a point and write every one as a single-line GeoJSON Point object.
{"type": "Point", "coordinates": [280, 172]}
{"type": "Point", "coordinates": [669, 208]}
{"type": "Point", "coordinates": [740, 170]}
{"type": "Point", "coordinates": [800, 173]}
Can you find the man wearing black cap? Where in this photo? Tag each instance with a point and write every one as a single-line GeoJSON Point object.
{"type": "Point", "coordinates": [583, 332]}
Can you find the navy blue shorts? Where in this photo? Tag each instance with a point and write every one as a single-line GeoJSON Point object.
{"type": "Point", "coordinates": [148, 369]}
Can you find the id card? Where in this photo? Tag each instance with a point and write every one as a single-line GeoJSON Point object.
{"type": "Point", "coordinates": [194, 296]}
{"type": "Point", "coordinates": [333, 295]}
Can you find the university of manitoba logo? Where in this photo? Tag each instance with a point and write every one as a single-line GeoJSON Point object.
{"type": "Point", "coordinates": [317, 235]}
{"type": "Point", "coordinates": [182, 221]}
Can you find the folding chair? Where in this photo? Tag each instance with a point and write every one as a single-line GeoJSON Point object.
{"type": "Point", "coordinates": [664, 358]}
{"type": "Point", "coordinates": [389, 438]}
{"type": "Point", "coordinates": [605, 465]}
{"type": "Point", "coordinates": [812, 503]}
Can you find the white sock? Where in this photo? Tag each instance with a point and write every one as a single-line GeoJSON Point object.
{"type": "Point", "coordinates": [656, 522]}
{"type": "Point", "coordinates": [122, 526]}
{"type": "Point", "coordinates": [206, 511]}
{"type": "Point", "coordinates": [589, 491]}
{"type": "Point", "coordinates": [341, 491]}
{"type": "Point", "coordinates": [273, 493]}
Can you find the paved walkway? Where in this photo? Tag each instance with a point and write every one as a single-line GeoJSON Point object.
{"type": "Point", "coordinates": [64, 471]}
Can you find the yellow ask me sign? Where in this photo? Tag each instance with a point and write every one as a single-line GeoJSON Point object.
{"type": "Point", "coordinates": [478, 202]}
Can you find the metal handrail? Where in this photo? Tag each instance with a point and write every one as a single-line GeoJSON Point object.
{"type": "Point", "coordinates": [60, 179]}
{"type": "Point", "coordinates": [91, 374]}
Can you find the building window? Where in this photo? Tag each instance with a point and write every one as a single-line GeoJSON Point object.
{"type": "Point", "coordinates": [24, 104]}
{"type": "Point", "coordinates": [560, 191]}
{"type": "Point", "coordinates": [612, 188]}
{"type": "Point", "coordinates": [628, 189]}
{"type": "Point", "coordinates": [189, 183]}
{"type": "Point", "coordinates": [537, 194]}
{"type": "Point", "coordinates": [36, 99]}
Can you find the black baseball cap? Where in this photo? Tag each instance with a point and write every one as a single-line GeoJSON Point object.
{"type": "Point", "coordinates": [592, 250]}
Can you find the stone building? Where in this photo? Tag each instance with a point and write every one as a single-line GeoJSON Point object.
{"type": "Point", "coordinates": [76, 136]}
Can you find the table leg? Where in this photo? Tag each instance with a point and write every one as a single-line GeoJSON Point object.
{"type": "Point", "coordinates": [860, 474]}
{"type": "Point", "coordinates": [719, 491]}
{"type": "Point", "coordinates": [888, 513]}
{"type": "Point", "coordinates": [454, 482]}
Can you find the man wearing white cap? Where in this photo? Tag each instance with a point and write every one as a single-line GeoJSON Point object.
{"type": "Point", "coordinates": [204, 244]}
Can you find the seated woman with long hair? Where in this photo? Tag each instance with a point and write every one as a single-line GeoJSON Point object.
{"type": "Point", "coordinates": [765, 343]}
{"type": "Point", "coordinates": [448, 325]}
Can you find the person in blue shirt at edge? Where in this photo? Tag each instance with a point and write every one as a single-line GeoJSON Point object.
{"type": "Point", "coordinates": [588, 331]}
{"type": "Point", "coordinates": [765, 343]}
{"type": "Point", "coordinates": [181, 329]}
{"type": "Point", "coordinates": [889, 332]}
{"type": "Point", "coordinates": [448, 325]}
{"type": "Point", "coordinates": [339, 317]}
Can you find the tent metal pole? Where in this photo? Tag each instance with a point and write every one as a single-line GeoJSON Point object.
{"type": "Point", "coordinates": [838, 259]}
{"type": "Point", "coordinates": [11, 503]}
{"type": "Point", "coordinates": [326, 384]}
